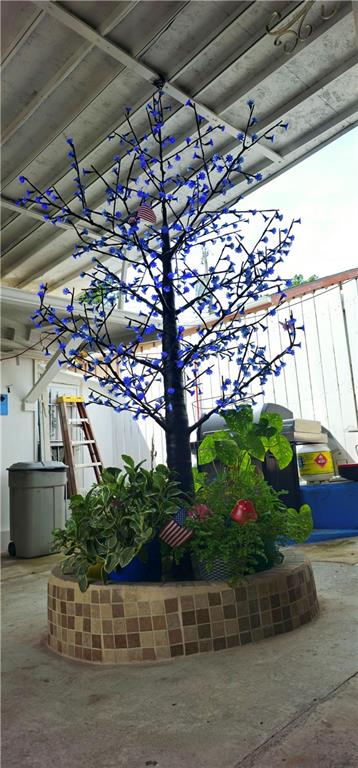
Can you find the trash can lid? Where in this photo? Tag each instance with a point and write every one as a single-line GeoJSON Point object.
{"type": "Point", "coordinates": [38, 466]}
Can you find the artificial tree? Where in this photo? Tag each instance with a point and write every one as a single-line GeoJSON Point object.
{"type": "Point", "coordinates": [165, 206]}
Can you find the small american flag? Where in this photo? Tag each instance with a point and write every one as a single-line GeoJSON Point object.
{"type": "Point", "coordinates": [174, 534]}
{"type": "Point", "coordinates": [145, 212]}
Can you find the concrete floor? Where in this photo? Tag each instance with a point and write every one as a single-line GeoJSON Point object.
{"type": "Point", "coordinates": [285, 702]}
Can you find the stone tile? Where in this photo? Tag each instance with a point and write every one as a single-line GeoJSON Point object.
{"type": "Point", "coordinates": [159, 622]}
{"type": "Point", "coordinates": [106, 611]}
{"type": "Point", "coordinates": [230, 611]}
{"type": "Point", "coordinates": [107, 627]}
{"type": "Point", "coordinates": [188, 618]}
{"type": "Point", "coordinates": [187, 602]}
{"type": "Point", "coordinates": [275, 601]}
{"type": "Point", "coordinates": [149, 654]}
{"type": "Point", "coordinates": [171, 605]}
{"type": "Point", "coordinates": [255, 621]}
{"type": "Point", "coordinates": [147, 639]}
{"type": "Point", "coordinates": [232, 641]}
{"type": "Point", "coordinates": [117, 596]}
{"type": "Point", "coordinates": [231, 627]}
{"type": "Point", "coordinates": [143, 608]}
{"type": "Point", "coordinates": [132, 625]}
{"type": "Point", "coordinates": [176, 650]}
{"type": "Point", "coordinates": [201, 600]}
{"type": "Point", "coordinates": [145, 623]}
{"type": "Point", "coordinates": [218, 629]}
{"type": "Point", "coordinates": [216, 613]}
{"type": "Point", "coordinates": [130, 610]}
{"type": "Point", "coordinates": [190, 633]}
{"type": "Point", "coordinates": [173, 620]}
{"type": "Point", "coordinates": [204, 631]}
{"type": "Point", "coordinates": [96, 655]}
{"type": "Point", "coordinates": [205, 646]}
{"type": "Point", "coordinates": [120, 641]}
{"type": "Point", "coordinates": [161, 637]}
{"type": "Point", "coordinates": [175, 636]}
{"type": "Point", "coordinates": [135, 654]}
{"type": "Point", "coordinates": [244, 624]}
{"type": "Point", "coordinates": [86, 640]}
{"type": "Point", "coordinates": [214, 598]}
{"type": "Point", "coordinates": [228, 597]}
{"type": "Point", "coordinates": [242, 609]}
{"type": "Point", "coordinates": [108, 641]}
{"type": "Point", "coordinates": [117, 610]}
{"type": "Point", "coordinates": [162, 652]}
{"type": "Point", "coordinates": [104, 596]}
{"type": "Point", "coordinates": [191, 648]}
{"type": "Point", "coordinates": [133, 640]}
{"type": "Point", "coordinates": [96, 626]}
{"type": "Point", "coordinates": [202, 616]}
{"type": "Point", "coordinates": [157, 607]}
{"type": "Point", "coordinates": [219, 643]}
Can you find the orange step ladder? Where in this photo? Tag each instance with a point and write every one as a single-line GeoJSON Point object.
{"type": "Point", "coordinates": [79, 419]}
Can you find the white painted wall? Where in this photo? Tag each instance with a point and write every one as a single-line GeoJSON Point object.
{"type": "Point", "coordinates": [115, 433]}
{"type": "Point", "coordinates": [18, 429]}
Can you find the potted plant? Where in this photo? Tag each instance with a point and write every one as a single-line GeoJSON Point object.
{"type": "Point", "coordinates": [112, 532]}
{"type": "Point", "coordinates": [238, 520]}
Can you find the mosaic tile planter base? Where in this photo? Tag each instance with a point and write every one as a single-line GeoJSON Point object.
{"type": "Point", "coordinates": [150, 622]}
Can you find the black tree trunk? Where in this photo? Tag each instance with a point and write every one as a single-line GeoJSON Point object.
{"type": "Point", "coordinates": [176, 416]}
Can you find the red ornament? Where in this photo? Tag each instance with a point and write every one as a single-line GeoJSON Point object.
{"type": "Point", "coordinates": [243, 512]}
{"type": "Point", "coordinates": [200, 511]}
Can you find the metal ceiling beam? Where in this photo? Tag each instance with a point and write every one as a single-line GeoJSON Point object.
{"type": "Point", "coordinates": [144, 72]}
{"type": "Point", "coordinates": [275, 116]}
{"type": "Point", "coordinates": [222, 107]}
{"type": "Point", "coordinates": [11, 205]}
{"type": "Point", "coordinates": [21, 38]}
{"type": "Point", "coordinates": [136, 107]}
{"type": "Point", "coordinates": [64, 71]}
{"type": "Point", "coordinates": [220, 31]}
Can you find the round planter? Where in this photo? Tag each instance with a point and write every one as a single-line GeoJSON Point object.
{"type": "Point", "coordinates": [139, 570]}
{"type": "Point", "coordinates": [121, 623]}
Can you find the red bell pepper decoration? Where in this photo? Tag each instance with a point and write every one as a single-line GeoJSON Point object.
{"type": "Point", "coordinates": [243, 512]}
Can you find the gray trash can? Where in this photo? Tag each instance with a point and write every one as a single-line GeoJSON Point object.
{"type": "Point", "coordinates": [37, 506]}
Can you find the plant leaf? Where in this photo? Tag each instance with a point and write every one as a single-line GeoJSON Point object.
{"type": "Point", "coordinates": [299, 524]}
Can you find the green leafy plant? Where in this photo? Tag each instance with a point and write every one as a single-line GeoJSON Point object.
{"type": "Point", "coordinates": [110, 525]}
{"type": "Point", "coordinates": [244, 439]}
{"type": "Point", "coordinates": [246, 548]}
{"type": "Point", "coordinates": [242, 545]}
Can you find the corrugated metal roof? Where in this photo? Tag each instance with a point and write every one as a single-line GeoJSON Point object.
{"type": "Point", "coordinates": [71, 68]}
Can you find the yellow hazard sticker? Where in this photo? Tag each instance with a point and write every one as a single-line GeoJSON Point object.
{"type": "Point", "coordinates": [315, 463]}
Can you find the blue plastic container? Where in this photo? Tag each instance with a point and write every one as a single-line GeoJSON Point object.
{"type": "Point", "coordinates": [334, 505]}
{"type": "Point", "coordinates": [137, 570]}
